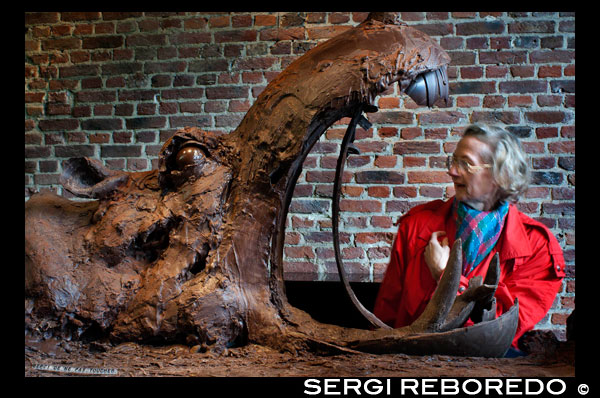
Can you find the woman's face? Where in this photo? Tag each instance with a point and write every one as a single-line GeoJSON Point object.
{"type": "Point", "coordinates": [477, 189]}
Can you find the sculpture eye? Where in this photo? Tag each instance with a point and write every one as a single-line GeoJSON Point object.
{"type": "Point", "coordinates": [188, 155]}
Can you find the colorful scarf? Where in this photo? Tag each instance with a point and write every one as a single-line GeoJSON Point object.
{"type": "Point", "coordinates": [479, 232]}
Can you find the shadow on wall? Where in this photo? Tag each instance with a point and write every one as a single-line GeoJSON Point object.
{"type": "Point", "coordinates": [327, 302]}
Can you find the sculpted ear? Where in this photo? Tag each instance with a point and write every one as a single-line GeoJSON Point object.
{"type": "Point", "coordinates": [88, 178]}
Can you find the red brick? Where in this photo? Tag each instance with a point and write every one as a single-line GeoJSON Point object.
{"type": "Point", "coordinates": [567, 131]}
{"type": "Point", "coordinates": [137, 164]}
{"type": "Point", "coordinates": [562, 147]}
{"type": "Point", "coordinates": [550, 71]}
{"type": "Point", "coordinates": [67, 43]}
{"type": "Point", "coordinates": [325, 32]}
{"type": "Point", "coordinates": [188, 107]}
{"type": "Point", "coordinates": [338, 18]}
{"type": "Point", "coordinates": [58, 109]}
{"type": "Point", "coordinates": [495, 71]}
{"type": "Point", "coordinates": [477, 43]}
{"type": "Point", "coordinates": [120, 151]}
{"type": "Point", "coordinates": [35, 110]}
{"type": "Point", "coordinates": [252, 77]}
{"type": "Point", "coordinates": [551, 56]}
{"type": "Point", "coordinates": [235, 36]}
{"type": "Point", "coordinates": [467, 102]}
{"type": "Point", "coordinates": [35, 18]}
{"type": "Point", "coordinates": [413, 161]}
{"type": "Point", "coordinates": [301, 222]}
{"type": "Point", "coordinates": [569, 70]}
{"type": "Point", "coordinates": [104, 28]}
{"type": "Point", "coordinates": [99, 138]}
{"type": "Point", "coordinates": [300, 271]}
{"type": "Point", "coordinates": [480, 28]}
{"type": "Point", "coordinates": [352, 191]}
{"type": "Point", "coordinates": [316, 17]}
{"type": "Point", "coordinates": [61, 30]}
{"type": "Point", "coordinates": [402, 148]}
{"type": "Point", "coordinates": [474, 72]}
{"type": "Point", "coordinates": [34, 97]}
{"type": "Point", "coordinates": [531, 27]}
{"type": "Point", "coordinates": [437, 15]}
{"type": "Point", "coordinates": [299, 252]}
{"type": "Point", "coordinates": [389, 102]}
{"type": "Point", "coordinates": [494, 101]}
{"type": "Point", "coordinates": [370, 238]}
{"type": "Point", "coordinates": [462, 58]}
{"type": "Point", "coordinates": [546, 132]}
{"type": "Point", "coordinates": [506, 117]}
{"type": "Point", "coordinates": [195, 23]}
{"type": "Point", "coordinates": [102, 42]}
{"type": "Point", "coordinates": [559, 319]}
{"type": "Point", "coordinates": [381, 221]}
{"type": "Point", "coordinates": [385, 161]}
{"type": "Point", "coordinates": [253, 63]}
{"type": "Point", "coordinates": [503, 57]}
{"type": "Point", "coordinates": [58, 124]}
{"type": "Point", "coordinates": [549, 100]}
{"type": "Point", "coordinates": [33, 138]}
{"type": "Point", "coordinates": [392, 117]}
{"type": "Point", "coordinates": [48, 72]}
{"type": "Point", "coordinates": [409, 133]}
{"type": "Point", "coordinates": [522, 70]}
{"type": "Point", "coordinates": [428, 177]}
{"type": "Point", "coordinates": [142, 40]}
{"type": "Point", "coordinates": [349, 253]}
{"type": "Point", "coordinates": [379, 177]}
{"type": "Point", "coordinates": [452, 43]}
{"type": "Point", "coordinates": [96, 96]}
{"type": "Point", "coordinates": [441, 117]}
{"type": "Point", "coordinates": [363, 206]}
{"type": "Point", "coordinates": [498, 43]}
{"type": "Point", "coordinates": [431, 191]}
{"type": "Point", "coordinates": [219, 22]}
{"type": "Point", "coordinates": [520, 100]}
{"type": "Point", "coordinates": [278, 34]}
{"type": "Point", "coordinates": [378, 192]}
{"type": "Point", "coordinates": [371, 146]}
{"type": "Point", "coordinates": [265, 20]}
{"type": "Point", "coordinates": [545, 116]}
{"type": "Point", "coordinates": [79, 16]}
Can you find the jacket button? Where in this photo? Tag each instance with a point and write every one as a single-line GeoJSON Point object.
{"type": "Point", "coordinates": [558, 267]}
{"type": "Point", "coordinates": [461, 289]}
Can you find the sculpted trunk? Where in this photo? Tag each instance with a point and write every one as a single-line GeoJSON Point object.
{"type": "Point", "coordinates": [193, 251]}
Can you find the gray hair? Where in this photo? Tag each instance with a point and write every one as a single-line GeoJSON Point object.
{"type": "Point", "coordinates": [510, 166]}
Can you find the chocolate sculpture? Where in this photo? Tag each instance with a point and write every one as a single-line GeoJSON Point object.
{"type": "Point", "coordinates": [192, 252]}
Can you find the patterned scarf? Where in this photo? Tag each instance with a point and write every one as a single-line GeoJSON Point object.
{"type": "Point", "coordinates": [479, 232]}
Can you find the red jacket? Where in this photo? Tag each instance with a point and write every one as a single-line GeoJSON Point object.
{"type": "Point", "coordinates": [531, 267]}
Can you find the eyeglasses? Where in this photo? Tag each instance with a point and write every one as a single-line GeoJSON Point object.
{"type": "Point", "coordinates": [464, 166]}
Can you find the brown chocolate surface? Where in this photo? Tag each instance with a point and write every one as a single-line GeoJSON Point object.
{"type": "Point", "coordinates": [191, 253]}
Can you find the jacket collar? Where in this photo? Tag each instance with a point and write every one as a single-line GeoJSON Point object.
{"type": "Point", "coordinates": [513, 241]}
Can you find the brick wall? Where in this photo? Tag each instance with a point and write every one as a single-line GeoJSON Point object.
{"type": "Point", "coordinates": [115, 86]}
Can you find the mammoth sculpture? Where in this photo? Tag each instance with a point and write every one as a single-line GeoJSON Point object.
{"type": "Point", "coordinates": [192, 251]}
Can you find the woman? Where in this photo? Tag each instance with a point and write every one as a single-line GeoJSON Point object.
{"type": "Point", "coordinates": [490, 172]}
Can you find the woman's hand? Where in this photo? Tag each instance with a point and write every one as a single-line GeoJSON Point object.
{"type": "Point", "coordinates": [436, 255]}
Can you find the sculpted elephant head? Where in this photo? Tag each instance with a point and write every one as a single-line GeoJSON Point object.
{"type": "Point", "coordinates": [192, 252]}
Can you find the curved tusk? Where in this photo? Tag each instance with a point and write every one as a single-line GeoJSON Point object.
{"type": "Point", "coordinates": [434, 316]}
{"type": "Point", "coordinates": [463, 306]}
{"type": "Point", "coordinates": [335, 209]}
{"type": "Point", "coordinates": [485, 306]}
